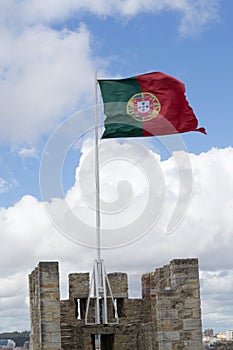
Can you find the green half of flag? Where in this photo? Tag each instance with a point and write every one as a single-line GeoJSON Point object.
{"type": "Point", "coordinates": [146, 105]}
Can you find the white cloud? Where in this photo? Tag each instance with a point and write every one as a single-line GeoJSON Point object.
{"type": "Point", "coordinates": [6, 185]}
{"type": "Point", "coordinates": [28, 152]}
{"type": "Point", "coordinates": [28, 236]}
{"type": "Point", "coordinates": [199, 15]}
{"type": "Point", "coordinates": [217, 295]}
{"type": "Point", "coordinates": [46, 75]}
{"type": "Point", "coordinates": [25, 152]}
{"type": "Point", "coordinates": [3, 185]}
{"type": "Point", "coordinates": [194, 14]}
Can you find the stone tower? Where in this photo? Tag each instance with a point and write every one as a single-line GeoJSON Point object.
{"type": "Point", "coordinates": [45, 307]}
{"type": "Point", "coordinates": [167, 317]}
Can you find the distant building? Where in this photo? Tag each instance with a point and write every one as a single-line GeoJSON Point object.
{"type": "Point", "coordinates": [221, 336]}
{"type": "Point", "coordinates": [26, 345]}
{"type": "Point", "coordinates": [229, 335]}
{"type": "Point", "coordinates": [209, 332]}
{"type": "Point", "coordinates": [209, 341]}
{"type": "Point", "coordinates": [7, 344]}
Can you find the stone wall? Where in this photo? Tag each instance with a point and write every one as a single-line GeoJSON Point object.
{"type": "Point", "coordinates": [45, 307]}
{"type": "Point", "coordinates": [167, 317]}
{"type": "Point", "coordinates": [175, 291]}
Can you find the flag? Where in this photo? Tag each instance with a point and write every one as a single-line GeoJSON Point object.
{"type": "Point", "coordinates": [146, 105]}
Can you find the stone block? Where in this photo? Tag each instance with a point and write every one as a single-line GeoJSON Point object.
{"type": "Point", "coordinates": [191, 303]}
{"type": "Point", "coordinates": [193, 345]}
{"type": "Point", "coordinates": [170, 325]}
{"type": "Point", "coordinates": [168, 335]}
{"type": "Point", "coordinates": [191, 335]}
{"type": "Point", "coordinates": [165, 345]}
{"type": "Point", "coordinates": [189, 324]}
{"type": "Point", "coordinates": [169, 314]}
{"type": "Point", "coordinates": [196, 313]}
{"type": "Point", "coordinates": [163, 303]}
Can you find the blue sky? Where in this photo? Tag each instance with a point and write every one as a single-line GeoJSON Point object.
{"type": "Point", "coordinates": [147, 42]}
{"type": "Point", "coordinates": [48, 58]}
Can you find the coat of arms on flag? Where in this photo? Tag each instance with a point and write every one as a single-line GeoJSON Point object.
{"type": "Point", "coordinates": [143, 106]}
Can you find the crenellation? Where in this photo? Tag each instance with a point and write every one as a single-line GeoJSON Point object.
{"type": "Point", "coordinates": [167, 317]}
{"type": "Point", "coordinates": [119, 284]}
{"type": "Point", "coordinates": [145, 282]}
{"type": "Point", "coordinates": [79, 285]}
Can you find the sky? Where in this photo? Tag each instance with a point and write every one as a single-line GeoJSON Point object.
{"type": "Point", "coordinates": [161, 197]}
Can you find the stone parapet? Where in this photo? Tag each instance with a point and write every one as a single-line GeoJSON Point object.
{"type": "Point", "coordinates": [167, 317]}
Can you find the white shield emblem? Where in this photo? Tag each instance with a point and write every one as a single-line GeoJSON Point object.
{"type": "Point", "coordinates": [143, 106]}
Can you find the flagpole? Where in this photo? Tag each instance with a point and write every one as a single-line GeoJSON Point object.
{"type": "Point", "coordinates": [98, 263]}
{"type": "Point", "coordinates": [97, 177]}
{"type": "Point", "coordinates": [100, 289]}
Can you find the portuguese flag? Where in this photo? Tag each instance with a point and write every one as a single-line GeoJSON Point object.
{"type": "Point", "coordinates": [146, 105]}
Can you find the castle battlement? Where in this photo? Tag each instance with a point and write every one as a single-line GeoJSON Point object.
{"type": "Point", "coordinates": [167, 317]}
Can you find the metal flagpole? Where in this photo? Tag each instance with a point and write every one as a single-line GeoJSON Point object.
{"type": "Point", "coordinates": [97, 176]}
{"type": "Point", "coordinates": [97, 265]}
{"type": "Point", "coordinates": [99, 286]}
